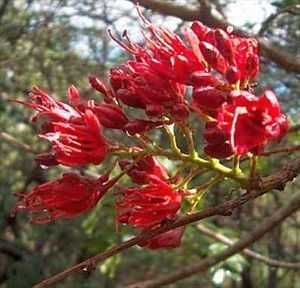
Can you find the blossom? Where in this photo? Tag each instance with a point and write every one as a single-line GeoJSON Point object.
{"type": "Point", "coordinates": [101, 87]}
{"type": "Point", "coordinates": [142, 169]}
{"type": "Point", "coordinates": [63, 198]}
{"type": "Point", "coordinates": [77, 142]}
{"type": "Point", "coordinates": [73, 129]}
{"type": "Point", "coordinates": [217, 143]}
{"type": "Point", "coordinates": [202, 79]}
{"type": "Point", "coordinates": [149, 205]}
{"type": "Point", "coordinates": [48, 107]}
{"type": "Point", "coordinates": [252, 121]}
{"type": "Point", "coordinates": [165, 52]}
{"type": "Point", "coordinates": [169, 239]}
{"type": "Point", "coordinates": [139, 86]}
{"type": "Point", "coordinates": [209, 99]}
{"type": "Point", "coordinates": [109, 115]}
{"type": "Point", "coordinates": [236, 58]}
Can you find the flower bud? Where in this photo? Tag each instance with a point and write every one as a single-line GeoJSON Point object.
{"type": "Point", "coordinates": [110, 116]}
{"type": "Point", "coordinates": [46, 159]}
{"type": "Point", "coordinates": [200, 29]}
{"type": "Point", "coordinates": [73, 96]}
{"type": "Point", "coordinates": [232, 75]}
{"type": "Point", "coordinates": [252, 66]}
{"type": "Point", "coordinates": [200, 78]}
{"type": "Point", "coordinates": [180, 112]}
{"type": "Point", "coordinates": [139, 126]}
{"type": "Point", "coordinates": [213, 135]}
{"type": "Point", "coordinates": [208, 99]}
{"type": "Point", "coordinates": [99, 86]}
{"type": "Point", "coordinates": [213, 57]}
{"type": "Point", "coordinates": [220, 151]}
{"type": "Point", "coordinates": [143, 169]}
{"type": "Point", "coordinates": [130, 98]}
{"type": "Point", "coordinates": [223, 44]}
{"type": "Point", "coordinates": [169, 239]}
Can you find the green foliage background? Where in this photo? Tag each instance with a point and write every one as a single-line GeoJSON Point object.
{"type": "Point", "coordinates": [55, 44]}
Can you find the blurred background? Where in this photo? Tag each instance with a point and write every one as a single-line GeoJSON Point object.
{"type": "Point", "coordinates": [56, 43]}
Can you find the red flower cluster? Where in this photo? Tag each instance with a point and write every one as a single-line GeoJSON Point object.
{"type": "Point", "coordinates": [209, 72]}
{"type": "Point", "coordinates": [137, 85]}
{"type": "Point", "coordinates": [75, 134]}
{"type": "Point", "coordinates": [143, 170]}
{"type": "Point", "coordinates": [236, 58]}
{"type": "Point", "coordinates": [148, 206]}
{"type": "Point", "coordinates": [66, 197]}
{"type": "Point", "coordinates": [252, 121]}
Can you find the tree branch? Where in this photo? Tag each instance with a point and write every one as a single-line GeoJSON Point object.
{"type": "Point", "coordinates": [184, 12]}
{"type": "Point", "coordinates": [292, 9]}
{"type": "Point", "coordinates": [208, 16]}
{"type": "Point", "coordinates": [250, 253]}
{"type": "Point", "coordinates": [13, 250]}
{"type": "Point", "coordinates": [203, 265]}
{"type": "Point", "coordinates": [3, 8]}
{"type": "Point", "coordinates": [294, 128]}
{"type": "Point", "coordinates": [259, 187]}
{"type": "Point", "coordinates": [15, 142]}
{"type": "Point", "coordinates": [288, 150]}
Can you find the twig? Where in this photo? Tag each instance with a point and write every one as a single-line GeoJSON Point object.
{"type": "Point", "coordinates": [289, 149]}
{"type": "Point", "coordinates": [15, 142]}
{"type": "Point", "coordinates": [294, 128]}
{"type": "Point", "coordinates": [292, 9]}
{"type": "Point", "coordinates": [203, 265]}
{"type": "Point", "coordinates": [269, 261]}
{"type": "Point", "coordinates": [275, 181]}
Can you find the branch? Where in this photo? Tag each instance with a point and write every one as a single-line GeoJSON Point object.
{"type": "Point", "coordinates": [13, 250]}
{"type": "Point", "coordinates": [265, 184]}
{"type": "Point", "coordinates": [15, 142]}
{"type": "Point", "coordinates": [292, 9]}
{"type": "Point", "coordinates": [208, 16]}
{"type": "Point", "coordinates": [3, 8]}
{"type": "Point", "coordinates": [288, 150]}
{"type": "Point", "coordinates": [294, 128]}
{"type": "Point", "coordinates": [184, 12]}
{"type": "Point", "coordinates": [203, 265]}
{"type": "Point", "coordinates": [269, 261]}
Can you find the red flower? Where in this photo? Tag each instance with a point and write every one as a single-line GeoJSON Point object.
{"type": "Point", "coordinates": [47, 106]}
{"type": "Point", "coordinates": [109, 115]}
{"type": "Point", "coordinates": [202, 79]}
{"type": "Point", "coordinates": [63, 198]}
{"type": "Point", "coordinates": [145, 167]}
{"type": "Point", "coordinates": [165, 52]}
{"type": "Point", "coordinates": [235, 57]}
{"type": "Point", "coordinates": [208, 99]}
{"type": "Point", "coordinates": [252, 121]}
{"type": "Point", "coordinates": [74, 131]}
{"type": "Point", "coordinates": [137, 85]}
{"type": "Point", "coordinates": [101, 87]}
{"type": "Point", "coordinates": [150, 205]}
{"type": "Point", "coordinates": [77, 142]}
{"type": "Point", "coordinates": [217, 142]}
{"type": "Point", "coordinates": [169, 239]}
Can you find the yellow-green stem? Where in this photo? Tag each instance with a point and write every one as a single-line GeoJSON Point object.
{"type": "Point", "coordinates": [172, 138]}
{"type": "Point", "coordinates": [212, 164]}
